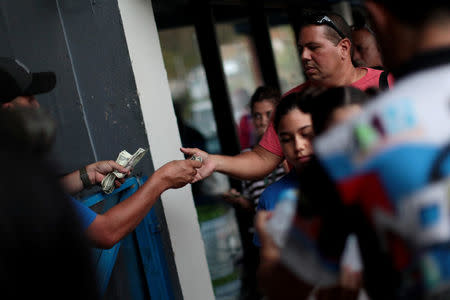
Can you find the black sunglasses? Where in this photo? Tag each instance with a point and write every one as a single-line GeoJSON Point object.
{"type": "Point", "coordinates": [325, 20]}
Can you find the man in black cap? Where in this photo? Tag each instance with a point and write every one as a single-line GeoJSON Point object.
{"type": "Point", "coordinates": [19, 85]}
{"type": "Point", "coordinates": [17, 89]}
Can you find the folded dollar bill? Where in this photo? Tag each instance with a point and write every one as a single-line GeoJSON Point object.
{"type": "Point", "coordinates": [129, 161]}
{"type": "Point", "coordinates": [126, 160]}
{"type": "Point", "coordinates": [196, 157]}
{"type": "Point", "coordinates": [108, 183]}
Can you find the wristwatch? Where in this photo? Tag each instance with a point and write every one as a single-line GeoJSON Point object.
{"type": "Point", "coordinates": [85, 178]}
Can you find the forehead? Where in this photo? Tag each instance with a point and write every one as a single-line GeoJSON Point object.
{"type": "Point", "coordinates": [294, 120]}
{"type": "Point", "coordinates": [264, 105]}
{"type": "Point", "coordinates": [312, 34]}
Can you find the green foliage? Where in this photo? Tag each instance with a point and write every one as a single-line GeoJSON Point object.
{"type": "Point", "coordinates": [226, 279]}
{"type": "Point", "coordinates": [209, 212]}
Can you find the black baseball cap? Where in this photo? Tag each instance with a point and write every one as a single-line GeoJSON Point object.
{"type": "Point", "coordinates": [17, 80]}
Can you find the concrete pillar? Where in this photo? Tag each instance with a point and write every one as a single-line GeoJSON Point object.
{"type": "Point", "coordinates": [160, 122]}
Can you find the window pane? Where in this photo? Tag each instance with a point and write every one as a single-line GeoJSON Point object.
{"type": "Point", "coordinates": [286, 55]}
{"type": "Point", "coordinates": [242, 71]}
{"type": "Point", "coordinates": [189, 89]}
{"type": "Point", "coordinates": [240, 63]}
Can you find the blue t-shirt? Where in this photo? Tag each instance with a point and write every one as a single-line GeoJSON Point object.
{"type": "Point", "coordinates": [85, 215]}
{"type": "Point", "coordinates": [276, 192]}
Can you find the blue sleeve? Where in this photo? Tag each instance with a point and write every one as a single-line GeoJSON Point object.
{"type": "Point", "coordinates": [85, 215]}
{"type": "Point", "coordinates": [262, 202]}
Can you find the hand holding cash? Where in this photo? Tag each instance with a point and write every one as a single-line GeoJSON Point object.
{"type": "Point", "coordinates": [126, 160]}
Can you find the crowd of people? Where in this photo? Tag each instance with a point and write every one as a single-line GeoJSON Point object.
{"type": "Point", "coordinates": [347, 179]}
{"type": "Point", "coordinates": [372, 166]}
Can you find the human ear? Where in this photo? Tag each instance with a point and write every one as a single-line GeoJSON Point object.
{"type": "Point", "coordinates": [345, 46]}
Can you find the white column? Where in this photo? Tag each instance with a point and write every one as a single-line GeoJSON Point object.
{"type": "Point", "coordinates": [160, 122]}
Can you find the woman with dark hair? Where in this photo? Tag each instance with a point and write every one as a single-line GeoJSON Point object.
{"type": "Point", "coordinates": [295, 132]}
{"type": "Point", "coordinates": [250, 129]}
{"type": "Point", "coordinates": [262, 104]}
{"type": "Point", "coordinates": [294, 121]}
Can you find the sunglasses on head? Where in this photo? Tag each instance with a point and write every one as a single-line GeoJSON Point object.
{"type": "Point", "coordinates": [325, 20]}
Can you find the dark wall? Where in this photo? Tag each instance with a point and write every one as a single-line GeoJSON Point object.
{"type": "Point", "coordinates": [95, 102]}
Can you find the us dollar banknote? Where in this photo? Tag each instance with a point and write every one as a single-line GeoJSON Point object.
{"type": "Point", "coordinates": [126, 160]}
{"type": "Point", "coordinates": [131, 160]}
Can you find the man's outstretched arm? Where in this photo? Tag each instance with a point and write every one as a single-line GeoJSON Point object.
{"type": "Point", "coordinates": [109, 228]}
{"type": "Point", "coordinates": [250, 165]}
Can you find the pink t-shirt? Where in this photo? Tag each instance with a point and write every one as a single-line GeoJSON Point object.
{"type": "Point", "coordinates": [246, 132]}
{"type": "Point", "coordinates": [270, 140]}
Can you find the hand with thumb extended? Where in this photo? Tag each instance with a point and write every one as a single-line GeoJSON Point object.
{"type": "Point", "coordinates": [208, 165]}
